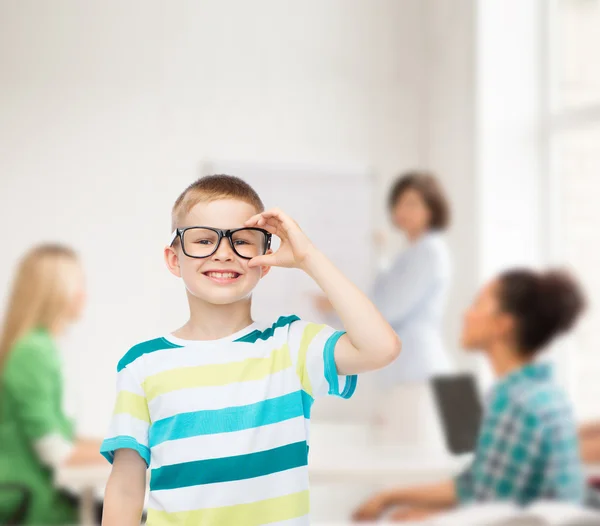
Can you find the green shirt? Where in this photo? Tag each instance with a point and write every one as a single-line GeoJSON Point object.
{"type": "Point", "coordinates": [31, 397]}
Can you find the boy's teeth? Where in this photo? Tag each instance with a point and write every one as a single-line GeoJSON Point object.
{"type": "Point", "coordinates": [226, 275]}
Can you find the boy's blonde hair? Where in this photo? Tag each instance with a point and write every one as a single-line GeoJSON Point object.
{"type": "Point", "coordinates": [211, 188]}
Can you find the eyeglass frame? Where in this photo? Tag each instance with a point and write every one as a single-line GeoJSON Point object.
{"type": "Point", "coordinates": [179, 233]}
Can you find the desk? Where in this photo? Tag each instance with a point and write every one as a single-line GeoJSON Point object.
{"type": "Point", "coordinates": [339, 454]}
{"type": "Point", "coordinates": [377, 465]}
{"type": "Point", "coordinates": [326, 466]}
{"type": "Point", "coordinates": [87, 482]}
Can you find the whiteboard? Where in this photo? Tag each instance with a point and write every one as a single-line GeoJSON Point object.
{"type": "Point", "coordinates": [332, 206]}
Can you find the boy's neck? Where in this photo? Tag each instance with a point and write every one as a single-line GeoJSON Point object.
{"type": "Point", "coordinates": [213, 322]}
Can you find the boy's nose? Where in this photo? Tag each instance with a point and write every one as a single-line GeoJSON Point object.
{"type": "Point", "coordinates": [224, 251]}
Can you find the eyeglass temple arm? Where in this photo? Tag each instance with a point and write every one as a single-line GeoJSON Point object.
{"type": "Point", "coordinates": [173, 237]}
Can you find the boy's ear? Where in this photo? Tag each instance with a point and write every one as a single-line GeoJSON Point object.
{"type": "Point", "coordinates": [172, 261]}
{"type": "Point", "coordinates": [265, 269]}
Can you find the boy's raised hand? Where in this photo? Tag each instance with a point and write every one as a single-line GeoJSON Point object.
{"type": "Point", "coordinates": [371, 343]}
{"type": "Point", "coordinates": [295, 246]}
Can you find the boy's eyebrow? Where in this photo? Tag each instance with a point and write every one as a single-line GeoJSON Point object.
{"type": "Point", "coordinates": [204, 225]}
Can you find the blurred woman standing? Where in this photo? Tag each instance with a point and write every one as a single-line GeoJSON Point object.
{"type": "Point", "coordinates": [412, 293]}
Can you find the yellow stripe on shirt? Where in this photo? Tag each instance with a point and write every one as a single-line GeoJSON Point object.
{"type": "Point", "coordinates": [252, 514]}
{"type": "Point", "coordinates": [217, 374]}
{"type": "Point", "coordinates": [310, 331]}
{"type": "Point", "coordinates": [132, 404]}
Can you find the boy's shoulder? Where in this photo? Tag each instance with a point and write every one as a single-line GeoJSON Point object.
{"type": "Point", "coordinates": [145, 347]}
{"type": "Point", "coordinates": [261, 332]}
{"type": "Point", "coordinates": [265, 330]}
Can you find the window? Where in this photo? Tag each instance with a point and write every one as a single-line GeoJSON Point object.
{"type": "Point", "coordinates": [574, 144]}
{"type": "Point", "coordinates": [577, 47]}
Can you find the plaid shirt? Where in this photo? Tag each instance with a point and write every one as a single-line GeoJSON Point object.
{"type": "Point", "coordinates": [527, 447]}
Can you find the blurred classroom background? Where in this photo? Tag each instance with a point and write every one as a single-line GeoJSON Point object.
{"type": "Point", "coordinates": [109, 109]}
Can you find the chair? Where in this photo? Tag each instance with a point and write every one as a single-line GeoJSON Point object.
{"type": "Point", "coordinates": [19, 513]}
{"type": "Point", "coordinates": [460, 409]}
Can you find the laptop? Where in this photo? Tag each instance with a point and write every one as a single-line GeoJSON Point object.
{"type": "Point", "coordinates": [460, 410]}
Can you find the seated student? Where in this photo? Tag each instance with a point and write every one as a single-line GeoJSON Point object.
{"type": "Point", "coordinates": [527, 447]}
{"type": "Point", "coordinates": [36, 436]}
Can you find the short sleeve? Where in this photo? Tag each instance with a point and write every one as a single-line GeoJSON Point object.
{"type": "Point", "coordinates": [32, 380]}
{"type": "Point", "coordinates": [312, 349]}
{"type": "Point", "coordinates": [130, 420]}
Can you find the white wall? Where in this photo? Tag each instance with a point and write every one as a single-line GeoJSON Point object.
{"type": "Point", "coordinates": [511, 95]}
{"type": "Point", "coordinates": [450, 142]}
{"type": "Point", "coordinates": [483, 108]}
{"type": "Point", "coordinates": [108, 108]}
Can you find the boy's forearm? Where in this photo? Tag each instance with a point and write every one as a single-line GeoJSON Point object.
{"type": "Point", "coordinates": [366, 327]}
{"type": "Point", "coordinates": [123, 502]}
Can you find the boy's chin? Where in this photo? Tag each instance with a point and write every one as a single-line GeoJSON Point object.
{"type": "Point", "coordinates": [221, 299]}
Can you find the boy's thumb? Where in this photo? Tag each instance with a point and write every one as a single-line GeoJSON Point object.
{"type": "Point", "coordinates": [259, 261]}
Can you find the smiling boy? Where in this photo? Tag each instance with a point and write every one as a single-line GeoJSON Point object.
{"type": "Point", "coordinates": [219, 409]}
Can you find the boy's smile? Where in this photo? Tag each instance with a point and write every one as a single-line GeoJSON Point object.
{"type": "Point", "coordinates": [222, 276]}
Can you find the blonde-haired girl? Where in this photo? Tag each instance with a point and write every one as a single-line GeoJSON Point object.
{"type": "Point", "coordinates": [36, 436]}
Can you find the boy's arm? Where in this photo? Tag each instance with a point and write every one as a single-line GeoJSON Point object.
{"type": "Point", "coordinates": [125, 491]}
{"type": "Point", "coordinates": [370, 342]}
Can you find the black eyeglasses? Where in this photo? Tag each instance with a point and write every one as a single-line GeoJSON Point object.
{"type": "Point", "coordinates": [204, 241]}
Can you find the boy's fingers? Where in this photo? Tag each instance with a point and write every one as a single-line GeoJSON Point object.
{"type": "Point", "coordinates": [271, 224]}
{"type": "Point", "coordinates": [253, 220]}
{"type": "Point", "coordinates": [259, 261]}
{"type": "Point", "coordinates": [273, 212]}
{"type": "Point", "coordinates": [271, 229]}
{"type": "Point", "coordinates": [278, 216]}
{"type": "Point", "coordinates": [261, 219]}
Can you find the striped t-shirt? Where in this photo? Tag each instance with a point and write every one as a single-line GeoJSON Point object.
{"type": "Point", "coordinates": [223, 424]}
